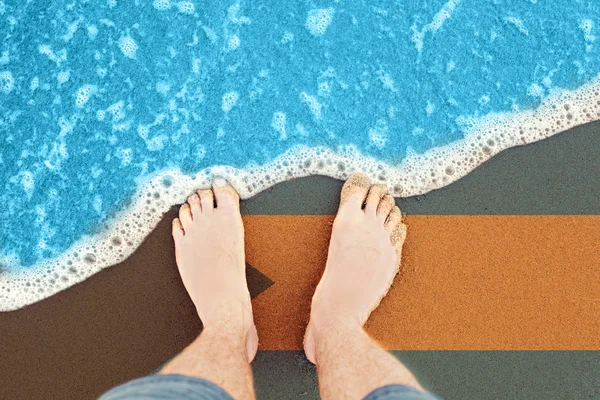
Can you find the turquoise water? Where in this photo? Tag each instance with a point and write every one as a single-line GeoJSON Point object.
{"type": "Point", "coordinates": [95, 96]}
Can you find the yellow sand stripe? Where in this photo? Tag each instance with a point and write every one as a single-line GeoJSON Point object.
{"type": "Point", "coordinates": [467, 282]}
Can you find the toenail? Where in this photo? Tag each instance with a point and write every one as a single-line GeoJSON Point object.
{"type": "Point", "coordinates": [220, 182]}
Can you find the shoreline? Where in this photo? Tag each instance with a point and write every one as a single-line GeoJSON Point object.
{"type": "Point", "coordinates": [417, 174]}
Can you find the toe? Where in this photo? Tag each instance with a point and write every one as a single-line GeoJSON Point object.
{"type": "Point", "coordinates": [225, 194]}
{"type": "Point", "coordinates": [194, 202]}
{"type": "Point", "coordinates": [399, 234]}
{"type": "Point", "coordinates": [177, 229]}
{"type": "Point", "coordinates": [385, 206]}
{"type": "Point", "coordinates": [185, 216]}
{"type": "Point", "coordinates": [397, 237]}
{"type": "Point", "coordinates": [355, 190]}
{"type": "Point", "coordinates": [393, 219]}
{"type": "Point", "coordinates": [376, 193]}
{"type": "Point", "coordinates": [207, 200]}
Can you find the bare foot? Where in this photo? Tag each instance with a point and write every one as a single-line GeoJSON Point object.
{"type": "Point", "coordinates": [209, 248]}
{"type": "Point", "coordinates": [364, 258]}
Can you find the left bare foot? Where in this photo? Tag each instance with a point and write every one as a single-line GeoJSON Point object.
{"type": "Point", "coordinates": [209, 248]}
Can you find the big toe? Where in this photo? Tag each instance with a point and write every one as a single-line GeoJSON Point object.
{"type": "Point", "coordinates": [355, 190]}
{"type": "Point", "coordinates": [225, 195]}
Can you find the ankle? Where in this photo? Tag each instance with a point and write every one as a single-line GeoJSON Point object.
{"type": "Point", "coordinates": [334, 325]}
{"type": "Point", "coordinates": [231, 319]}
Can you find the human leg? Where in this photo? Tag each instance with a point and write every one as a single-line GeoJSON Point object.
{"type": "Point", "coordinates": [364, 256]}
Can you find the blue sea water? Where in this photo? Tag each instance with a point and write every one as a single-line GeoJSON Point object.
{"type": "Point", "coordinates": [97, 95]}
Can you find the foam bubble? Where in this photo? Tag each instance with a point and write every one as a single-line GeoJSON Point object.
{"type": "Point", "coordinates": [324, 89]}
{"type": "Point", "coordinates": [83, 94]}
{"type": "Point", "coordinates": [7, 82]}
{"type": "Point", "coordinates": [128, 46]}
{"type": "Point", "coordinates": [162, 5]}
{"type": "Point", "coordinates": [117, 111]}
{"type": "Point", "coordinates": [318, 20]}
{"type": "Point", "coordinates": [186, 7]}
{"type": "Point", "coordinates": [483, 100]}
{"type": "Point", "coordinates": [379, 134]}
{"type": "Point", "coordinates": [287, 37]}
{"type": "Point", "coordinates": [233, 43]}
{"type": "Point", "coordinates": [535, 90]}
{"type": "Point", "coordinates": [28, 182]}
{"type": "Point", "coordinates": [278, 123]}
{"type": "Point", "coordinates": [430, 108]}
{"type": "Point", "coordinates": [387, 80]}
{"type": "Point", "coordinates": [35, 83]}
{"type": "Point", "coordinates": [63, 77]}
{"type": "Point", "coordinates": [229, 100]}
{"type": "Point", "coordinates": [586, 25]}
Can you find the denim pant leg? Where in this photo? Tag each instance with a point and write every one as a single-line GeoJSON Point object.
{"type": "Point", "coordinates": [167, 387]}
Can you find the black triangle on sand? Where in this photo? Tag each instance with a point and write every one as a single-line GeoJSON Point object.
{"type": "Point", "coordinates": [257, 281]}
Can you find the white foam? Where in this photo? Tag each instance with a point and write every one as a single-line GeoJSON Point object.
{"type": "Point", "coordinates": [92, 31]}
{"type": "Point", "coordinates": [416, 174]}
{"type": "Point", "coordinates": [278, 123]}
{"type": "Point", "coordinates": [442, 15]}
{"type": "Point", "coordinates": [163, 87]}
{"type": "Point", "coordinates": [518, 23]}
{"type": "Point", "coordinates": [28, 183]}
{"type": "Point", "coordinates": [324, 89]}
{"type": "Point", "coordinates": [117, 111]}
{"type": "Point", "coordinates": [5, 58]}
{"type": "Point", "coordinates": [436, 23]}
{"type": "Point", "coordinates": [387, 80]}
{"type": "Point", "coordinates": [228, 101]}
{"type": "Point", "coordinates": [161, 5]}
{"type": "Point", "coordinates": [586, 25]}
{"type": "Point", "coordinates": [186, 7]}
{"type": "Point", "coordinates": [430, 108]}
{"type": "Point", "coordinates": [7, 82]}
{"type": "Point", "coordinates": [318, 20]}
{"type": "Point", "coordinates": [287, 37]}
{"type": "Point", "coordinates": [128, 46]}
{"type": "Point", "coordinates": [233, 43]}
{"type": "Point", "coordinates": [83, 94]}
{"type": "Point", "coordinates": [379, 134]}
{"type": "Point", "coordinates": [313, 104]}
{"type": "Point", "coordinates": [63, 77]}
{"type": "Point", "coordinates": [35, 83]}
{"type": "Point", "coordinates": [196, 62]}
{"type": "Point", "coordinates": [71, 29]}
{"type": "Point", "coordinates": [535, 90]}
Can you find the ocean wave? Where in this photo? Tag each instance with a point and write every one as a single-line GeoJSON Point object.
{"type": "Point", "coordinates": [417, 174]}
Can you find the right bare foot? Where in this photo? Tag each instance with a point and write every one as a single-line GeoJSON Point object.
{"type": "Point", "coordinates": [364, 258]}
